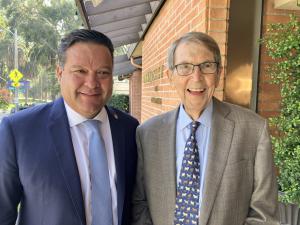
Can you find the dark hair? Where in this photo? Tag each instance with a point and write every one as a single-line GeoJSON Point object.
{"type": "Point", "coordinates": [197, 37]}
{"type": "Point", "coordinates": [82, 35]}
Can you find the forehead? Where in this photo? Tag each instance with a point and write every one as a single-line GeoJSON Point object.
{"type": "Point", "coordinates": [192, 52]}
{"type": "Point", "coordinates": [87, 51]}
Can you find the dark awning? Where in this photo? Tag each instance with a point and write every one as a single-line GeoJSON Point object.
{"type": "Point", "coordinates": [123, 66]}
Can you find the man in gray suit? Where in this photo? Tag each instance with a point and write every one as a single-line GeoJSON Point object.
{"type": "Point", "coordinates": [207, 162]}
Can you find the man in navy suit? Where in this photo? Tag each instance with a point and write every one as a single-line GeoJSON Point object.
{"type": "Point", "coordinates": [44, 164]}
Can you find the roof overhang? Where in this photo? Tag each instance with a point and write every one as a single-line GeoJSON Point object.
{"type": "Point", "coordinates": [287, 4]}
{"type": "Point", "coordinates": [125, 22]}
{"type": "Point", "coordinates": [123, 66]}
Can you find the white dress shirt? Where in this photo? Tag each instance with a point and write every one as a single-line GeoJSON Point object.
{"type": "Point", "coordinates": [80, 144]}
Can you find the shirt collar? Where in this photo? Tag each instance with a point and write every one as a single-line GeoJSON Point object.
{"type": "Point", "coordinates": [75, 118]}
{"type": "Point", "coordinates": [205, 118]}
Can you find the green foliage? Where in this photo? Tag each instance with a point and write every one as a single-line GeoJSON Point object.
{"type": "Point", "coordinates": [3, 103]}
{"type": "Point", "coordinates": [2, 25]}
{"type": "Point", "coordinates": [40, 24]}
{"type": "Point", "coordinates": [283, 45]}
{"type": "Point", "coordinates": [120, 101]}
{"type": "Point", "coordinates": [4, 99]}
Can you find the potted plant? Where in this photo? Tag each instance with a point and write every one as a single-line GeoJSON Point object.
{"type": "Point", "coordinates": [282, 43]}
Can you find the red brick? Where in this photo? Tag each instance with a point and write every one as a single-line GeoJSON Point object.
{"type": "Point", "coordinates": [199, 19]}
{"type": "Point", "coordinates": [218, 25]}
{"type": "Point", "coordinates": [179, 16]}
{"type": "Point", "coordinates": [281, 18]}
{"type": "Point", "coordinates": [218, 13]}
{"type": "Point", "coordinates": [265, 96]}
{"type": "Point", "coordinates": [135, 93]}
{"type": "Point", "coordinates": [192, 14]}
{"type": "Point", "coordinates": [269, 106]}
{"type": "Point", "coordinates": [267, 114]}
{"type": "Point", "coordinates": [220, 37]}
{"type": "Point", "coordinates": [219, 3]}
{"type": "Point", "coordinates": [269, 8]}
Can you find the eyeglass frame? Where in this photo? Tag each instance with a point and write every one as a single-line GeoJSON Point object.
{"type": "Point", "coordinates": [198, 65]}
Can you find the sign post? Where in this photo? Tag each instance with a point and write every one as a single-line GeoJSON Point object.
{"type": "Point", "coordinates": [15, 76]}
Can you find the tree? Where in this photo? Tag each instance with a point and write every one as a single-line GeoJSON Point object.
{"type": "Point", "coordinates": [3, 43]}
{"type": "Point", "coordinates": [40, 25]}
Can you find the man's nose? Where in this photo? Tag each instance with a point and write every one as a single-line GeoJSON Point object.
{"type": "Point", "coordinates": [197, 74]}
{"type": "Point", "coordinates": [91, 80]}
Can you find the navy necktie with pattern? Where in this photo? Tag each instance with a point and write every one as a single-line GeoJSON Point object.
{"type": "Point", "coordinates": [101, 201]}
{"type": "Point", "coordinates": [188, 188]}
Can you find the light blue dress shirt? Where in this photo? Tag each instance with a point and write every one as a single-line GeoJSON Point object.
{"type": "Point", "coordinates": [80, 144]}
{"type": "Point", "coordinates": [183, 132]}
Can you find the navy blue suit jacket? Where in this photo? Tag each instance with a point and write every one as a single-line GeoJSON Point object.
{"type": "Point", "coordinates": [38, 167]}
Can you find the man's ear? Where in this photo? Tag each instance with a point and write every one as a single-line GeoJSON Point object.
{"type": "Point", "coordinates": [59, 71]}
{"type": "Point", "coordinates": [220, 70]}
{"type": "Point", "coordinates": [171, 77]}
{"type": "Point", "coordinates": [169, 74]}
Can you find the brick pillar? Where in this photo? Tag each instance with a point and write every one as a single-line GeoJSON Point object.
{"type": "Point", "coordinates": [135, 93]}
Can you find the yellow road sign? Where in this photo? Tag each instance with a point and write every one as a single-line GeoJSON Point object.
{"type": "Point", "coordinates": [15, 84]}
{"type": "Point", "coordinates": [15, 75]}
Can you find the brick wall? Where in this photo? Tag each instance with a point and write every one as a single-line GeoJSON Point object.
{"type": "Point", "coordinates": [269, 94]}
{"type": "Point", "coordinates": [174, 19]}
{"type": "Point", "coordinates": [218, 15]}
{"type": "Point", "coordinates": [135, 93]}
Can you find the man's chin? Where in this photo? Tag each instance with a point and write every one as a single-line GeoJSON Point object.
{"type": "Point", "coordinates": [90, 110]}
{"type": "Point", "coordinates": [90, 114]}
{"type": "Point", "coordinates": [196, 107]}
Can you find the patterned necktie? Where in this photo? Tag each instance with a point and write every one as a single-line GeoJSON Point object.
{"type": "Point", "coordinates": [188, 189]}
{"type": "Point", "coordinates": [100, 186]}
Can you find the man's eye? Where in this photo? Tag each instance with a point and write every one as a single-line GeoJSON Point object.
{"type": "Point", "coordinates": [185, 66]}
{"type": "Point", "coordinates": [103, 73]}
{"type": "Point", "coordinates": [79, 71]}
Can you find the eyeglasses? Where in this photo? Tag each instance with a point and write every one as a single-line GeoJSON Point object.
{"type": "Point", "coordinates": [186, 69]}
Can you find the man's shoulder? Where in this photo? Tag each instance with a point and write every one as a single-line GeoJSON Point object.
{"type": "Point", "coordinates": [122, 116]}
{"type": "Point", "coordinates": [29, 120]}
{"type": "Point", "coordinates": [160, 120]}
{"type": "Point", "coordinates": [31, 113]}
{"type": "Point", "coordinates": [239, 113]}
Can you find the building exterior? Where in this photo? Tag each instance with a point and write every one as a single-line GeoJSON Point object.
{"type": "Point", "coordinates": [121, 86]}
{"type": "Point", "coordinates": [236, 25]}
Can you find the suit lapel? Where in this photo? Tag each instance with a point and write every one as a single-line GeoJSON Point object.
{"type": "Point", "coordinates": [64, 151]}
{"type": "Point", "coordinates": [118, 136]}
{"type": "Point", "coordinates": [167, 146]}
{"type": "Point", "coordinates": [220, 141]}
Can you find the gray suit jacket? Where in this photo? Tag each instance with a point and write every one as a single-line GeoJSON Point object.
{"type": "Point", "coordinates": [240, 184]}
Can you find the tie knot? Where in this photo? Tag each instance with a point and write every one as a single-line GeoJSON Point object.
{"type": "Point", "coordinates": [92, 124]}
{"type": "Point", "coordinates": [195, 124]}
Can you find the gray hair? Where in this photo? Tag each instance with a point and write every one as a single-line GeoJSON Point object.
{"type": "Point", "coordinates": [82, 35]}
{"type": "Point", "coordinates": [197, 37]}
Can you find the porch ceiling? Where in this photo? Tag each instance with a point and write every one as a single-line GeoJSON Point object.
{"type": "Point", "coordinates": [123, 21]}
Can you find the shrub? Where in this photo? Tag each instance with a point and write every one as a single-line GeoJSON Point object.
{"type": "Point", "coordinates": [283, 45]}
{"type": "Point", "coordinates": [120, 101]}
{"type": "Point", "coordinates": [4, 98]}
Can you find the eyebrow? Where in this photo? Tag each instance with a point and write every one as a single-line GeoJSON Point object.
{"type": "Point", "coordinates": [206, 61]}
{"type": "Point", "coordinates": [74, 67]}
